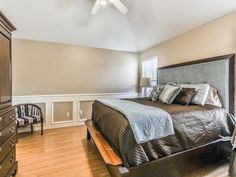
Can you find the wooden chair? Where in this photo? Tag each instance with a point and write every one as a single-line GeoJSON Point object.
{"type": "Point", "coordinates": [28, 115]}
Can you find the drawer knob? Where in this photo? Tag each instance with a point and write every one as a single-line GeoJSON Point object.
{"type": "Point", "coordinates": [12, 117]}
{"type": "Point", "coordinates": [12, 143]}
{"type": "Point", "coordinates": [12, 130]}
{"type": "Point", "coordinates": [0, 119]}
{"type": "Point", "coordinates": [12, 158]}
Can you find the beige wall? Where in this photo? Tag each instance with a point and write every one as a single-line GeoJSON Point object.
{"type": "Point", "coordinates": [212, 39]}
{"type": "Point", "coordinates": [48, 68]}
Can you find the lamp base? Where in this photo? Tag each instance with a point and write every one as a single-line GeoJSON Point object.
{"type": "Point", "coordinates": [145, 92]}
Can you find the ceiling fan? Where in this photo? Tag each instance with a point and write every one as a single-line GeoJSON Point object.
{"type": "Point", "coordinates": [117, 3]}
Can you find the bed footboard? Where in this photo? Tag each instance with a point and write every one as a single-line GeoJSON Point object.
{"type": "Point", "coordinates": [108, 154]}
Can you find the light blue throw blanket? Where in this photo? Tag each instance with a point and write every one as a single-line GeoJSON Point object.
{"type": "Point", "coordinates": [147, 122]}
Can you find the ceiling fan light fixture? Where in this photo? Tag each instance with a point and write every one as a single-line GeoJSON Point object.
{"type": "Point", "coordinates": [103, 2]}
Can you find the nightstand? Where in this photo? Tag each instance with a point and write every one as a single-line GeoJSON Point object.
{"type": "Point", "coordinates": [232, 167]}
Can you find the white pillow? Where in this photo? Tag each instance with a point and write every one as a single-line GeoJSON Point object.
{"type": "Point", "coordinates": [169, 92]}
{"type": "Point", "coordinates": [201, 95]}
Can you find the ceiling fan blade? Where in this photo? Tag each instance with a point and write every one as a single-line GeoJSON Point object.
{"type": "Point", "coordinates": [119, 5]}
{"type": "Point", "coordinates": [96, 8]}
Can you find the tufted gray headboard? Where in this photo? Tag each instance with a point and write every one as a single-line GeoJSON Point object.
{"type": "Point", "coordinates": [217, 71]}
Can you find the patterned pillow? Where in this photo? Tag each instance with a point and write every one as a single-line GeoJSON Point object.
{"type": "Point", "coordinates": [185, 96]}
{"type": "Point", "coordinates": [169, 92]}
{"type": "Point", "coordinates": [213, 98]}
{"type": "Point", "coordinates": [201, 95]}
{"type": "Point", "coordinates": [156, 91]}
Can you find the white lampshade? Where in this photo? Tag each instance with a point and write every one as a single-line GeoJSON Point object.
{"type": "Point", "coordinates": [145, 82]}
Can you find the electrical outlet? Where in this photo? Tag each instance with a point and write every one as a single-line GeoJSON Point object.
{"type": "Point", "coordinates": [68, 114]}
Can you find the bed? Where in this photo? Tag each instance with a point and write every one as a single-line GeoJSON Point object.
{"type": "Point", "coordinates": [197, 128]}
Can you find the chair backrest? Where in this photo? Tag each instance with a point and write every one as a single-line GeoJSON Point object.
{"type": "Point", "coordinates": [23, 110]}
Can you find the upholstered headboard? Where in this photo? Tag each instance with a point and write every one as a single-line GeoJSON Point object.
{"type": "Point", "coordinates": [217, 71]}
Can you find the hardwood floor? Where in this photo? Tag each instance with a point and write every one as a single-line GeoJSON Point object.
{"type": "Point", "coordinates": [66, 153]}
{"type": "Point", "coordinates": [59, 153]}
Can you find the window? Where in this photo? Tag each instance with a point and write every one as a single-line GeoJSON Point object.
{"type": "Point", "coordinates": [149, 69]}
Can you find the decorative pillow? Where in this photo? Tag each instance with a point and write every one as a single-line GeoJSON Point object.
{"type": "Point", "coordinates": [202, 91]}
{"type": "Point", "coordinates": [213, 98]}
{"type": "Point", "coordinates": [156, 91]}
{"type": "Point", "coordinates": [169, 93]}
{"type": "Point", "coordinates": [185, 96]}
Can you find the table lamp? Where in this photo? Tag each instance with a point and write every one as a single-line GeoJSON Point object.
{"type": "Point", "coordinates": [144, 83]}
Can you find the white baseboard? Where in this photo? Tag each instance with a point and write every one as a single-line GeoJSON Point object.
{"type": "Point", "coordinates": [48, 100]}
{"type": "Point", "coordinates": [38, 128]}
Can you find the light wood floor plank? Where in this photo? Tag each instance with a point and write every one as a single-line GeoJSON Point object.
{"type": "Point", "coordinates": [66, 153]}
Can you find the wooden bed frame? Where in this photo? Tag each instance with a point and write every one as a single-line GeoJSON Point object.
{"type": "Point", "coordinates": [175, 165]}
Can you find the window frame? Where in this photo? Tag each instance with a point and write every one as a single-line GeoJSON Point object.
{"type": "Point", "coordinates": [142, 68]}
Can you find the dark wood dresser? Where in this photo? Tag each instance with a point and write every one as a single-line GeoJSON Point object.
{"type": "Point", "coordinates": [8, 164]}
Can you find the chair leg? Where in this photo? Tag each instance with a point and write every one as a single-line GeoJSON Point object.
{"type": "Point", "coordinates": [41, 127]}
{"type": "Point", "coordinates": [32, 129]}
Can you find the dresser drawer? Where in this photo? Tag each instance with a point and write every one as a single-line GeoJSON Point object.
{"type": "Point", "coordinates": [13, 170]}
{"type": "Point", "coordinates": [7, 133]}
{"type": "Point", "coordinates": [7, 147]}
{"type": "Point", "coordinates": [6, 119]}
{"type": "Point", "coordinates": [7, 163]}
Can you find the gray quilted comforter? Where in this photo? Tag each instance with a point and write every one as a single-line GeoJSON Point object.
{"type": "Point", "coordinates": [193, 126]}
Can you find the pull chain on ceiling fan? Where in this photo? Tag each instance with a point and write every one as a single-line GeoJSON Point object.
{"type": "Point", "coordinates": [117, 3]}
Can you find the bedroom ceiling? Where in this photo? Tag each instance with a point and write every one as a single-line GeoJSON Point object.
{"type": "Point", "coordinates": [147, 23]}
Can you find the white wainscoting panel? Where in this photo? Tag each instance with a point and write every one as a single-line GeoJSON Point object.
{"type": "Point", "coordinates": [48, 100]}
